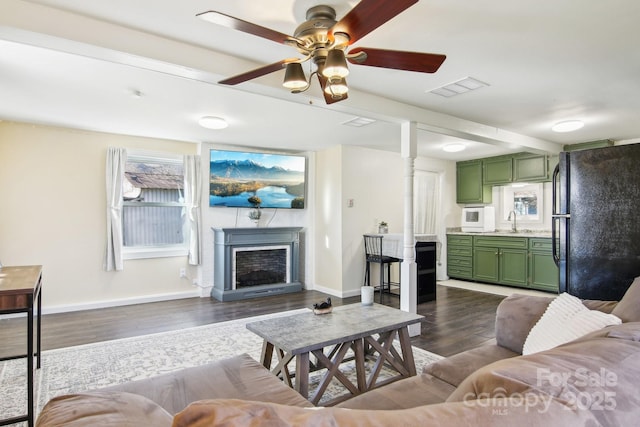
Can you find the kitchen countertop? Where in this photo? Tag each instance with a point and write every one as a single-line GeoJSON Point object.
{"type": "Point", "coordinates": [418, 237]}
{"type": "Point", "coordinates": [507, 233]}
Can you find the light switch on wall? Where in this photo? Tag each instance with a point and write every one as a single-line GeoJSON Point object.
{"type": "Point", "coordinates": [350, 203]}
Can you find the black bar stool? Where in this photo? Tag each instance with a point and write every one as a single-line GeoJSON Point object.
{"type": "Point", "coordinates": [373, 254]}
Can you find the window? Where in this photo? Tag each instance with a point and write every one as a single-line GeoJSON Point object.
{"type": "Point", "coordinates": [526, 200]}
{"type": "Point", "coordinates": [154, 213]}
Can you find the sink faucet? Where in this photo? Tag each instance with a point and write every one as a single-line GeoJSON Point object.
{"type": "Point", "coordinates": [512, 215]}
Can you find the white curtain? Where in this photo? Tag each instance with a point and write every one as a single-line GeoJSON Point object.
{"type": "Point", "coordinates": [116, 160]}
{"type": "Point", "coordinates": [428, 218]}
{"type": "Point", "coordinates": [426, 200]}
{"type": "Point", "coordinates": [192, 190]}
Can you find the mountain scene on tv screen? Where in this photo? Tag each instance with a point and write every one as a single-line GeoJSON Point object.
{"type": "Point", "coordinates": [250, 183]}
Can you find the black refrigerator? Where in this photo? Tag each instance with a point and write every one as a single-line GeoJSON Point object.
{"type": "Point", "coordinates": [596, 221]}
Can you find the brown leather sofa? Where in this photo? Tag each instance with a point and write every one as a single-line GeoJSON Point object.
{"type": "Point", "coordinates": [590, 381]}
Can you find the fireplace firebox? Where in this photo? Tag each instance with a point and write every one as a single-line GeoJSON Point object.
{"type": "Point", "coordinates": [254, 262]}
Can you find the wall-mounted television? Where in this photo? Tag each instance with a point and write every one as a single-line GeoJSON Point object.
{"type": "Point", "coordinates": [238, 179]}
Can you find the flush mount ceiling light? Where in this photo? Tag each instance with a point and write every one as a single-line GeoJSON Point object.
{"type": "Point", "coordinates": [567, 126]}
{"type": "Point", "coordinates": [454, 148]}
{"type": "Point", "coordinates": [212, 122]}
{"type": "Point", "coordinates": [325, 43]}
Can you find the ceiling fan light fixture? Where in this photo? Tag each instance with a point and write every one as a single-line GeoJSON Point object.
{"type": "Point", "coordinates": [567, 126]}
{"type": "Point", "coordinates": [337, 88]}
{"type": "Point", "coordinates": [294, 78]}
{"type": "Point", "coordinates": [212, 122]}
{"type": "Point", "coordinates": [326, 42]}
{"type": "Point", "coordinates": [335, 66]}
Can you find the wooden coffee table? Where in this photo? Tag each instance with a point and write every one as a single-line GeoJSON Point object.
{"type": "Point", "coordinates": [367, 330]}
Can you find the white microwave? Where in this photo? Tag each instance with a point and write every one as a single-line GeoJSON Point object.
{"type": "Point", "coordinates": [478, 219]}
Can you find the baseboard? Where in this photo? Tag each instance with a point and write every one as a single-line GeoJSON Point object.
{"type": "Point", "coordinates": [120, 302]}
{"type": "Point", "coordinates": [257, 291]}
{"type": "Point", "coordinates": [337, 293]}
{"type": "Point", "coordinates": [204, 291]}
{"type": "Point", "coordinates": [351, 293]}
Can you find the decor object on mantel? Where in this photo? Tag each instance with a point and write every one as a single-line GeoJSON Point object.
{"type": "Point", "coordinates": [383, 227]}
{"type": "Point", "coordinates": [255, 213]}
{"type": "Point", "coordinates": [323, 308]}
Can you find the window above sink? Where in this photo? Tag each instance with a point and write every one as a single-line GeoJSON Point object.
{"type": "Point", "coordinates": [527, 200]}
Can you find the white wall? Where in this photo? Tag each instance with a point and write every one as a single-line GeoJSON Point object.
{"type": "Point", "coordinates": [53, 210]}
{"type": "Point", "coordinates": [373, 179]}
{"type": "Point", "coordinates": [327, 225]}
{"type": "Point", "coordinates": [213, 217]}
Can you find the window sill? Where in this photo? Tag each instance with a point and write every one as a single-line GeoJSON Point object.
{"type": "Point", "coordinates": [154, 252]}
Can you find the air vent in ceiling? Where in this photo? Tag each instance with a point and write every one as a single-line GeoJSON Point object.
{"type": "Point", "coordinates": [358, 122]}
{"type": "Point", "coordinates": [456, 88]}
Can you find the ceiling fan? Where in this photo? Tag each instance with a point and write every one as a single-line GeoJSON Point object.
{"type": "Point", "coordinates": [324, 41]}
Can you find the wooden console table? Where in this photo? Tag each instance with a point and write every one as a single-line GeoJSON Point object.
{"type": "Point", "coordinates": [20, 292]}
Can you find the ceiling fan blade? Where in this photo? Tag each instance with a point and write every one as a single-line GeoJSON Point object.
{"type": "Point", "coordinates": [328, 98]}
{"type": "Point", "coordinates": [368, 15]}
{"type": "Point", "coordinates": [258, 72]}
{"type": "Point", "coordinates": [244, 26]}
{"type": "Point", "coordinates": [398, 60]}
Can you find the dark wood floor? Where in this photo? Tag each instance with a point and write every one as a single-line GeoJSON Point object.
{"type": "Point", "coordinates": [458, 320]}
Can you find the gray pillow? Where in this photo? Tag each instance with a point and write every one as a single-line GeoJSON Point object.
{"type": "Point", "coordinates": [628, 309]}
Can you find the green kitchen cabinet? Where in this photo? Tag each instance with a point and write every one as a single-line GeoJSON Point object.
{"type": "Point", "coordinates": [497, 170]}
{"type": "Point", "coordinates": [501, 260]}
{"type": "Point", "coordinates": [531, 168]}
{"type": "Point", "coordinates": [485, 264]}
{"type": "Point", "coordinates": [469, 186]}
{"type": "Point", "coordinates": [475, 178]}
{"type": "Point", "coordinates": [513, 267]}
{"type": "Point", "coordinates": [460, 256]}
{"type": "Point", "coordinates": [543, 272]}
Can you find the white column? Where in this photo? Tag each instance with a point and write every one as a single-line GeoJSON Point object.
{"type": "Point", "coordinates": [409, 269]}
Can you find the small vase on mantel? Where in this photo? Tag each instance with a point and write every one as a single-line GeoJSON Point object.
{"type": "Point", "coordinates": [255, 213]}
{"type": "Point", "coordinates": [383, 228]}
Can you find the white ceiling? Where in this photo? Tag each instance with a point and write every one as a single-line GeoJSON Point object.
{"type": "Point", "coordinates": [78, 63]}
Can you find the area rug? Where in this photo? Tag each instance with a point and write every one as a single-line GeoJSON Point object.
{"type": "Point", "coordinates": [91, 366]}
